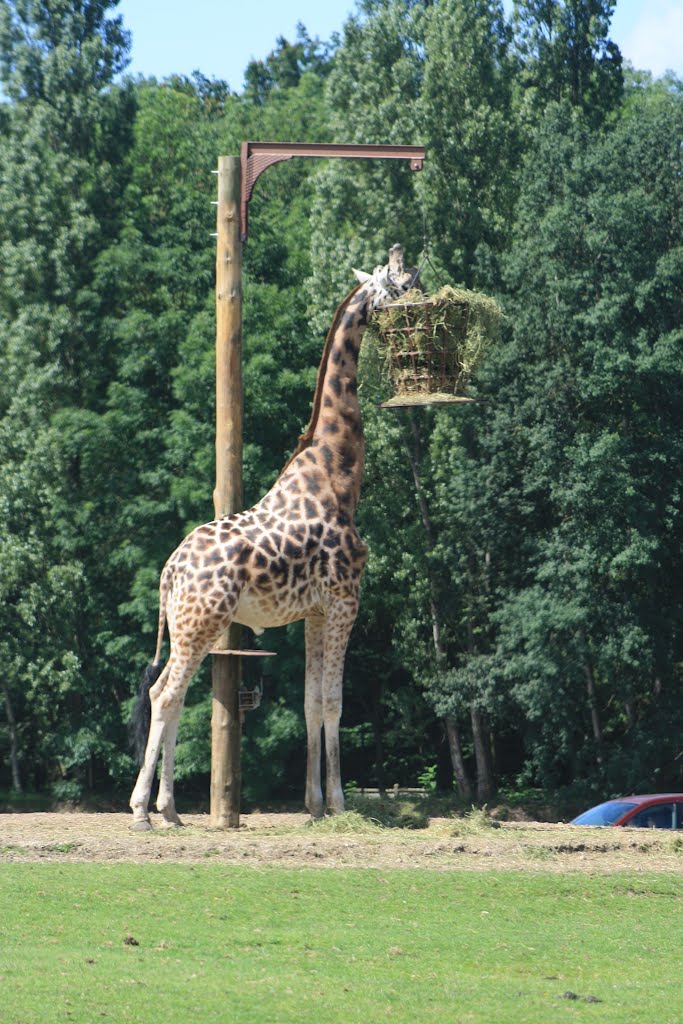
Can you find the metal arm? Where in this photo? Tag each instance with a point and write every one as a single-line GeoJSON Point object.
{"type": "Point", "coordinates": [256, 157]}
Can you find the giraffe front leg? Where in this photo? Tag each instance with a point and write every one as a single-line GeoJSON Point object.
{"type": "Point", "coordinates": [313, 706]}
{"type": "Point", "coordinates": [332, 705]}
{"type": "Point", "coordinates": [338, 627]}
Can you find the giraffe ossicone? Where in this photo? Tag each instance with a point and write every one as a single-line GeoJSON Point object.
{"type": "Point", "coordinates": [295, 555]}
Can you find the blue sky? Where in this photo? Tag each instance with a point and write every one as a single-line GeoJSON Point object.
{"type": "Point", "coordinates": [220, 38]}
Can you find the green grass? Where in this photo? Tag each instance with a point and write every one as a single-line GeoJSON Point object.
{"type": "Point", "coordinates": [244, 946]}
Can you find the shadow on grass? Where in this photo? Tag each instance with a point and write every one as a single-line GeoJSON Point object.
{"type": "Point", "coordinates": [400, 812]}
{"type": "Point", "coordinates": [12, 802]}
{"type": "Point", "coordinates": [416, 813]}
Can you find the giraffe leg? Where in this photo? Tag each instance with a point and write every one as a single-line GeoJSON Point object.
{"type": "Point", "coordinates": [165, 798]}
{"type": "Point", "coordinates": [139, 800]}
{"type": "Point", "coordinates": [167, 696]}
{"type": "Point", "coordinates": [338, 625]}
{"type": "Point", "coordinates": [313, 706]}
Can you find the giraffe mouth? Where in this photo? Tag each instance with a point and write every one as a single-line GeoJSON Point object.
{"type": "Point", "coordinates": [399, 277]}
{"type": "Point", "coordinates": [392, 280]}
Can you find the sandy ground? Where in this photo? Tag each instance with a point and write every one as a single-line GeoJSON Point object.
{"type": "Point", "coordinates": [290, 840]}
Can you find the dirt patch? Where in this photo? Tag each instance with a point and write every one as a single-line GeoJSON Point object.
{"type": "Point", "coordinates": [291, 840]}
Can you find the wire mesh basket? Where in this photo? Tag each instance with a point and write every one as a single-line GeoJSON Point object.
{"type": "Point", "coordinates": [249, 700]}
{"type": "Point", "coordinates": [428, 347]}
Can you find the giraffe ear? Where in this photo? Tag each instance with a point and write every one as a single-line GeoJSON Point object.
{"type": "Point", "coordinates": [362, 276]}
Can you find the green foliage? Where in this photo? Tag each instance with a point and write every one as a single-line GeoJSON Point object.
{"type": "Point", "coordinates": [427, 778]}
{"type": "Point", "coordinates": [268, 81]}
{"type": "Point", "coordinates": [519, 596]}
{"type": "Point", "coordinates": [567, 54]}
{"type": "Point", "coordinates": [466, 122]}
{"type": "Point", "coordinates": [60, 159]}
{"type": "Point", "coordinates": [593, 623]}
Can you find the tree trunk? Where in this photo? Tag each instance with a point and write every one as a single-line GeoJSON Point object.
{"type": "Point", "coordinates": [482, 754]}
{"type": "Point", "coordinates": [459, 771]}
{"type": "Point", "coordinates": [376, 719]}
{"type": "Point", "coordinates": [595, 715]}
{"type": "Point", "coordinates": [631, 717]}
{"type": "Point", "coordinates": [482, 748]}
{"type": "Point", "coordinates": [13, 744]}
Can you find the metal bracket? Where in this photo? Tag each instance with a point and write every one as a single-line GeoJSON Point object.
{"type": "Point", "coordinates": [256, 157]}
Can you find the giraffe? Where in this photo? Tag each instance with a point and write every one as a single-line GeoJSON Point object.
{"type": "Point", "coordinates": [295, 555]}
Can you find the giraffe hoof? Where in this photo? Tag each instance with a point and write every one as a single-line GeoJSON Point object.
{"type": "Point", "coordinates": [142, 825]}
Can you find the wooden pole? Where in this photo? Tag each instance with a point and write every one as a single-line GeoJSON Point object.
{"type": "Point", "coordinates": [227, 497]}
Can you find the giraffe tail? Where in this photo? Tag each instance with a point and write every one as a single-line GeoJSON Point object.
{"type": "Point", "coordinates": [141, 715]}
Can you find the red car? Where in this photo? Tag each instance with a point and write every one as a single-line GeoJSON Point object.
{"type": "Point", "coordinates": [660, 810]}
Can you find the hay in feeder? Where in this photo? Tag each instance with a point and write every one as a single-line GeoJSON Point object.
{"type": "Point", "coordinates": [425, 348]}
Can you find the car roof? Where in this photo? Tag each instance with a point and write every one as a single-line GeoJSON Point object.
{"type": "Point", "coordinates": [645, 798]}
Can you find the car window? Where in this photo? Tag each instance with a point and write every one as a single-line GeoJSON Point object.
{"type": "Point", "coordinates": [679, 814]}
{"type": "Point", "coordinates": [660, 816]}
{"type": "Point", "coordinates": [604, 814]}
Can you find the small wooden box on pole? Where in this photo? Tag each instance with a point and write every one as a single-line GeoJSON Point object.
{"type": "Point", "coordinates": [227, 497]}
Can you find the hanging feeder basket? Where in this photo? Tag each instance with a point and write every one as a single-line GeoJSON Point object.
{"type": "Point", "coordinates": [249, 700]}
{"type": "Point", "coordinates": [425, 348]}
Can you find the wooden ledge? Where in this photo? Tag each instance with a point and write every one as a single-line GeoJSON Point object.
{"type": "Point", "coordinates": [412, 401]}
{"type": "Point", "coordinates": [246, 654]}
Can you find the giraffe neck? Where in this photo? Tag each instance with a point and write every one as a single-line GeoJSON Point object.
{"type": "Point", "coordinates": [338, 420]}
{"type": "Point", "coordinates": [335, 430]}
{"type": "Point", "coordinates": [339, 428]}
{"type": "Point", "coordinates": [341, 333]}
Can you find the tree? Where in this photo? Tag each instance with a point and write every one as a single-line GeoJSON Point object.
{"type": "Point", "coordinates": [567, 54]}
{"type": "Point", "coordinates": [360, 208]}
{"type": "Point", "coordinates": [66, 127]}
{"type": "Point", "coordinates": [444, 78]}
{"type": "Point", "coordinates": [467, 124]}
{"type": "Point", "coordinates": [284, 67]}
{"type": "Point", "coordinates": [164, 387]}
{"type": "Point", "coordinates": [589, 642]}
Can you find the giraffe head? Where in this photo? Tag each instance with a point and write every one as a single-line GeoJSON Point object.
{"type": "Point", "coordinates": [390, 281]}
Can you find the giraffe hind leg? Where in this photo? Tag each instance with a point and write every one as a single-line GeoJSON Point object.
{"type": "Point", "coordinates": [193, 632]}
{"type": "Point", "coordinates": [338, 624]}
{"type": "Point", "coordinates": [139, 800]}
{"type": "Point", "coordinates": [141, 714]}
{"type": "Point", "coordinates": [165, 798]}
{"type": "Point", "coordinates": [167, 698]}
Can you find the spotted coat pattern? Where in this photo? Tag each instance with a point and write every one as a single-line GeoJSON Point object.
{"type": "Point", "coordinates": [294, 555]}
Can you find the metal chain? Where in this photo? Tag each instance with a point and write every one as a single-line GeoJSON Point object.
{"type": "Point", "coordinates": [425, 259]}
